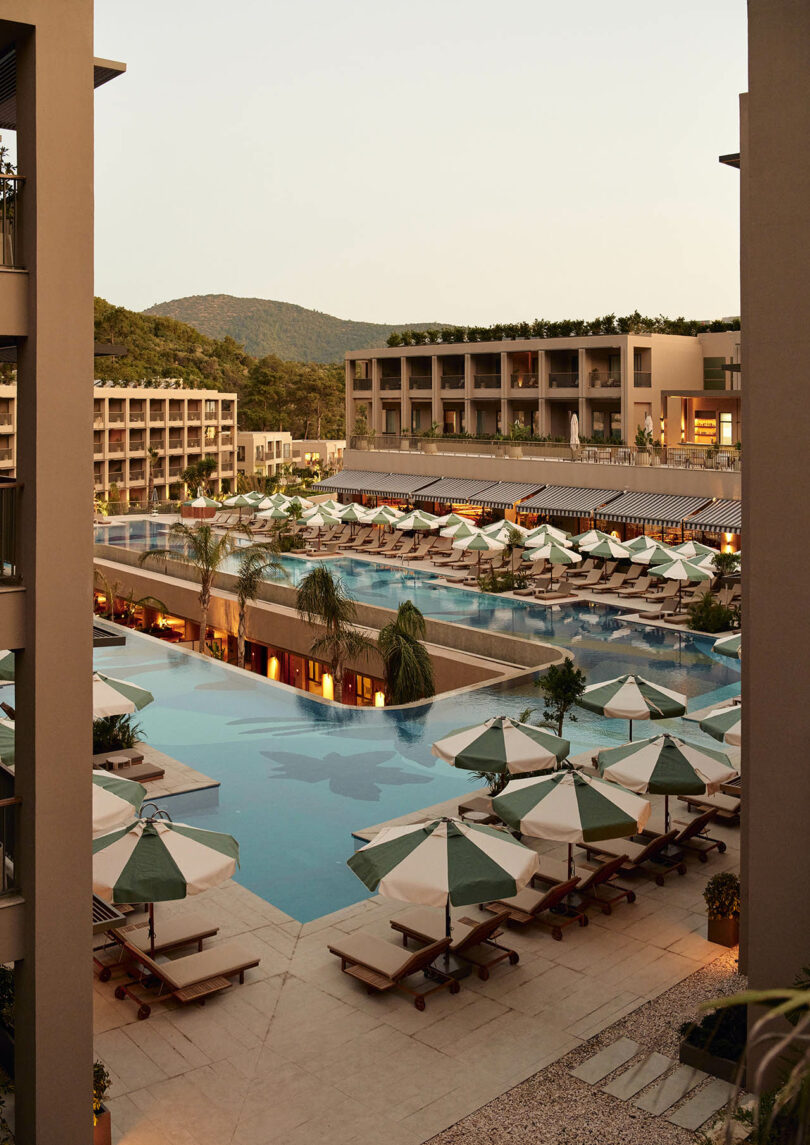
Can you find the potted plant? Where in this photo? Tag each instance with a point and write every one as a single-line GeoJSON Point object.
{"type": "Point", "coordinates": [716, 1045]}
{"type": "Point", "coordinates": [360, 431]}
{"type": "Point", "coordinates": [737, 463]}
{"type": "Point", "coordinates": [722, 895]}
{"type": "Point", "coordinates": [711, 457]}
{"type": "Point", "coordinates": [656, 453]}
{"type": "Point", "coordinates": [102, 1129]}
{"type": "Point", "coordinates": [643, 443]}
{"type": "Point", "coordinates": [428, 438]}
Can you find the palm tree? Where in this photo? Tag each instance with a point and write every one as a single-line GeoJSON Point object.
{"type": "Point", "coordinates": [254, 564]}
{"type": "Point", "coordinates": [152, 456]}
{"type": "Point", "coordinates": [323, 600]}
{"type": "Point", "coordinates": [408, 667]}
{"type": "Point", "coordinates": [201, 549]}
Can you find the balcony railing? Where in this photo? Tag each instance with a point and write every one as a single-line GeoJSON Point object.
{"type": "Point", "coordinates": [391, 383]}
{"type": "Point", "coordinates": [98, 447]}
{"type": "Point", "coordinates": [11, 190]}
{"type": "Point", "coordinates": [487, 381]}
{"type": "Point", "coordinates": [175, 470]}
{"type": "Point", "coordinates": [194, 415]}
{"type": "Point", "coordinates": [524, 381]}
{"type": "Point", "coordinates": [137, 415]}
{"type": "Point", "coordinates": [10, 493]}
{"type": "Point", "coordinates": [6, 419]}
{"type": "Point", "coordinates": [176, 446]}
{"type": "Point", "coordinates": [563, 381]}
{"type": "Point", "coordinates": [452, 381]}
{"type": "Point", "coordinates": [115, 447]}
{"type": "Point", "coordinates": [195, 443]}
{"type": "Point", "coordinates": [156, 416]}
{"type": "Point", "coordinates": [642, 380]}
{"type": "Point", "coordinates": [6, 455]}
{"type": "Point", "coordinates": [361, 384]}
{"type": "Point", "coordinates": [225, 439]}
{"type": "Point", "coordinates": [137, 475]}
{"type": "Point", "coordinates": [9, 828]}
{"type": "Point", "coordinates": [420, 383]}
{"type": "Point", "coordinates": [115, 417]}
{"type": "Point", "coordinates": [175, 415]}
{"type": "Point", "coordinates": [604, 380]}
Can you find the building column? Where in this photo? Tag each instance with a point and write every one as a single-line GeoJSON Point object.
{"type": "Point", "coordinates": [436, 392]}
{"type": "Point", "coordinates": [405, 398]}
{"type": "Point", "coordinates": [375, 419]}
{"type": "Point", "coordinates": [54, 1010]}
{"type": "Point", "coordinates": [504, 390]}
{"type": "Point", "coordinates": [468, 392]}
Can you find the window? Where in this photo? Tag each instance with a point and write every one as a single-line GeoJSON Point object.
{"type": "Point", "coordinates": [210, 434]}
{"type": "Point", "coordinates": [714, 376]}
{"type": "Point", "coordinates": [726, 429]}
{"type": "Point", "coordinates": [240, 453]}
{"type": "Point", "coordinates": [392, 421]}
{"type": "Point", "coordinates": [364, 691]}
{"type": "Point", "coordinates": [287, 449]}
{"type": "Point", "coordinates": [210, 408]}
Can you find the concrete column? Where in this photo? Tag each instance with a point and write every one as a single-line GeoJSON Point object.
{"type": "Point", "coordinates": [626, 366]}
{"type": "Point", "coordinates": [435, 390]}
{"type": "Point", "coordinates": [582, 403]}
{"type": "Point", "coordinates": [504, 392]}
{"type": "Point", "coordinates": [468, 392]}
{"type": "Point", "coordinates": [348, 399]}
{"type": "Point", "coordinates": [405, 398]}
{"type": "Point", "coordinates": [375, 420]}
{"type": "Point", "coordinates": [54, 1012]}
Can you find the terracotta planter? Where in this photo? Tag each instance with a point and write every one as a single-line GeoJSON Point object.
{"type": "Point", "coordinates": [642, 458]}
{"type": "Point", "coordinates": [707, 1062]}
{"type": "Point", "coordinates": [514, 451]}
{"type": "Point", "coordinates": [361, 443]}
{"type": "Point", "coordinates": [429, 447]}
{"type": "Point", "coordinates": [102, 1130]}
{"type": "Point", "coordinates": [724, 931]}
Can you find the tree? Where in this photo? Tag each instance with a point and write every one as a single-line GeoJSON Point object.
{"type": "Point", "coordinates": [201, 549]}
{"type": "Point", "coordinates": [254, 564]}
{"type": "Point", "coordinates": [407, 664]}
{"type": "Point", "coordinates": [561, 686]}
{"type": "Point", "coordinates": [198, 474]}
{"type": "Point", "coordinates": [152, 456]}
{"type": "Point", "coordinates": [323, 600]}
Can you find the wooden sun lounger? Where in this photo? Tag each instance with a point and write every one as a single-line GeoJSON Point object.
{"type": "Point", "coordinates": [596, 888]}
{"type": "Point", "coordinates": [581, 572]}
{"type": "Point", "coordinates": [385, 545]}
{"type": "Point", "coordinates": [561, 593]}
{"type": "Point", "coordinates": [420, 554]}
{"type": "Point", "coordinates": [593, 577]}
{"type": "Point", "coordinates": [192, 978]}
{"type": "Point", "coordinates": [669, 591]}
{"type": "Point", "coordinates": [693, 837]}
{"type": "Point", "coordinates": [472, 941]}
{"type": "Point", "coordinates": [354, 542]}
{"type": "Point", "coordinates": [638, 855]}
{"type": "Point", "coordinates": [728, 807]}
{"type": "Point", "coordinates": [641, 586]}
{"type": "Point", "coordinates": [170, 933]}
{"type": "Point", "coordinates": [616, 582]}
{"type": "Point", "coordinates": [633, 573]}
{"type": "Point", "coordinates": [548, 909]}
{"type": "Point", "coordinates": [382, 965]}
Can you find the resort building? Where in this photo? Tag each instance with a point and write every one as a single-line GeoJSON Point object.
{"type": "Point", "coordinates": [262, 453]}
{"type": "Point", "coordinates": [321, 454]}
{"type": "Point", "coordinates": [47, 76]}
{"type": "Point", "coordinates": [611, 382]}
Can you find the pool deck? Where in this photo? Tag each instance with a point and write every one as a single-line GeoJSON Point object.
{"type": "Point", "coordinates": [179, 778]}
{"type": "Point", "coordinates": [301, 1052]}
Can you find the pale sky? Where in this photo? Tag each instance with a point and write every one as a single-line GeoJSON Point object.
{"type": "Point", "coordinates": [437, 160]}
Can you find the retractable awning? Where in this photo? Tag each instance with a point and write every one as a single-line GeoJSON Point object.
{"type": "Point", "coordinates": [568, 501]}
{"type": "Point", "coordinates": [505, 494]}
{"type": "Point", "coordinates": [718, 517]}
{"type": "Point", "coordinates": [348, 481]}
{"type": "Point", "coordinates": [658, 508]}
{"type": "Point", "coordinates": [454, 489]}
{"type": "Point", "coordinates": [391, 484]}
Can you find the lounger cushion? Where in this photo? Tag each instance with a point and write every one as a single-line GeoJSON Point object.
{"type": "Point", "coordinates": [428, 923]}
{"type": "Point", "coordinates": [224, 959]}
{"type": "Point", "coordinates": [375, 952]}
{"type": "Point", "coordinates": [169, 932]}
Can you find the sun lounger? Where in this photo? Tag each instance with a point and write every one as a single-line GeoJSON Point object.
{"type": "Point", "coordinates": [669, 591]}
{"type": "Point", "coordinates": [382, 965]}
{"type": "Point", "coordinates": [728, 807]}
{"type": "Point", "coordinates": [595, 888]}
{"type": "Point", "coordinates": [641, 586]}
{"type": "Point", "coordinates": [633, 573]}
{"type": "Point", "coordinates": [472, 941]}
{"type": "Point", "coordinates": [192, 978]}
{"type": "Point", "coordinates": [638, 855]}
{"type": "Point", "coordinates": [615, 582]}
{"type": "Point", "coordinates": [385, 545]}
{"type": "Point", "coordinates": [693, 836]}
{"type": "Point", "coordinates": [593, 577]}
{"type": "Point", "coordinates": [405, 546]}
{"type": "Point", "coordinates": [354, 542]}
{"type": "Point", "coordinates": [170, 933]}
{"type": "Point", "coordinates": [420, 553]}
{"type": "Point", "coordinates": [548, 909]}
{"type": "Point", "coordinates": [563, 592]}
{"type": "Point", "coordinates": [585, 569]}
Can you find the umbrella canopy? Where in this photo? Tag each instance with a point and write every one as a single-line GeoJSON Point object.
{"type": "Point", "coordinates": [353, 513]}
{"type": "Point", "coordinates": [282, 499]}
{"type": "Point", "coordinates": [695, 550]}
{"type": "Point", "coordinates": [116, 801]}
{"type": "Point", "coordinates": [240, 501]}
{"type": "Point", "coordinates": [417, 520]}
{"type": "Point", "coordinates": [478, 542]}
{"type": "Point", "coordinates": [727, 646]}
{"type": "Point", "coordinates": [633, 698]}
{"type": "Point", "coordinates": [6, 664]}
{"type": "Point", "coordinates": [301, 502]}
{"type": "Point", "coordinates": [444, 862]}
{"type": "Point", "coordinates": [554, 553]}
{"type": "Point", "coordinates": [452, 519]}
{"type": "Point", "coordinates": [666, 765]}
{"type": "Point", "coordinates": [608, 550]}
{"type": "Point", "coordinates": [724, 724]}
{"type": "Point", "coordinates": [254, 495]}
{"type": "Point", "coordinates": [654, 554]}
{"type": "Point", "coordinates": [321, 520]}
{"type": "Point", "coordinates": [117, 697]}
{"type": "Point", "coordinates": [681, 569]}
{"type": "Point", "coordinates": [330, 504]}
{"type": "Point", "coordinates": [567, 807]}
{"type": "Point", "coordinates": [574, 431]}
{"type": "Point", "coordinates": [7, 742]}
{"type": "Point", "coordinates": [155, 860]}
{"type": "Point", "coordinates": [381, 516]}
{"type": "Point", "coordinates": [502, 745]}
{"type": "Point", "coordinates": [268, 503]}
{"type": "Point", "coordinates": [591, 537]}
{"type": "Point", "coordinates": [544, 533]}
{"type": "Point", "coordinates": [507, 532]}
{"type": "Point", "coordinates": [648, 423]}
{"type": "Point", "coordinates": [274, 514]}
{"type": "Point", "coordinates": [202, 503]}
{"type": "Point", "coordinates": [461, 530]}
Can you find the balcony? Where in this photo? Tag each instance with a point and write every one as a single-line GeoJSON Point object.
{"type": "Point", "coordinates": [194, 443]}
{"type": "Point", "coordinates": [524, 381]}
{"type": "Point", "coordinates": [361, 385]}
{"type": "Point", "coordinates": [175, 415]}
{"type": "Point", "coordinates": [136, 475]}
{"type": "Point", "coordinates": [98, 447]}
{"type": "Point", "coordinates": [9, 829]}
{"type": "Point", "coordinates": [487, 381]}
{"type": "Point", "coordinates": [98, 420]}
{"type": "Point", "coordinates": [115, 417]}
{"type": "Point", "coordinates": [11, 190]}
{"type": "Point", "coordinates": [175, 470]}
{"type": "Point", "coordinates": [226, 414]}
{"type": "Point", "coordinates": [225, 439]}
{"type": "Point", "coordinates": [194, 415]}
{"type": "Point", "coordinates": [420, 383]}
{"type": "Point", "coordinates": [156, 417]}
{"type": "Point", "coordinates": [137, 416]}
{"type": "Point", "coordinates": [391, 383]}
{"type": "Point", "coordinates": [115, 447]}
{"type": "Point", "coordinates": [176, 446]}
{"type": "Point", "coordinates": [137, 446]}
{"type": "Point", "coordinates": [604, 380]}
{"type": "Point", "coordinates": [564, 381]}
{"type": "Point", "coordinates": [6, 419]}
{"type": "Point", "coordinates": [642, 380]}
{"type": "Point", "coordinates": [98, 481]}
{"type": "Point", "coordinates": [6, 457]}
{"type": "Point", "coordinates": [452, 381]}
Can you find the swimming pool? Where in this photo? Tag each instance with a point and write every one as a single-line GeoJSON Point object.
{"type": "Point", "coordinates": [604, 643]}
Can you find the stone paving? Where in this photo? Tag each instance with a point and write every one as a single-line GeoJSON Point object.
{"type": "Point", "coordinates": [300, 1051]}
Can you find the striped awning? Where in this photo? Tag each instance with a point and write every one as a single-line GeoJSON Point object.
{"type": "Point", "coordinates": [662, 508]}
{"type": "Point", "coordinates": [504, 494]}
{"type": "Point", "coordinates": [718, 516]}
{"type": "Point", "coordinates": [453, 489]}
{"type": "Point", "coordinates": [391, 484]}
{"type": "Point", "coordinates": [348, 480]}
{"type": "Point", "coordinates": [568, 501]}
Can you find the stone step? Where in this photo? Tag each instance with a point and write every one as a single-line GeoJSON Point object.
{"type": "Point", "coordinates": [670, 1090]}
{"type": "Point", "coordinates": [606, 1061]}
{"type": "Point", "coordinates": [638, 1076]}
{"type": "Point", "coordinates": [700, 1108]}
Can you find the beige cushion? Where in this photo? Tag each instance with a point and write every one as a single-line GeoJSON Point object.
{"type": "Point", "coordinates": [168, 931]}
{"type": "Point", "coordinates": [375, 952]}
{"type": "Point", "coordinates": [225, 959]}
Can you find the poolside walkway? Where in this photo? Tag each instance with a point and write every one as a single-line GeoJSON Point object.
{"type": "Point", "coordinates": [301, 1052]}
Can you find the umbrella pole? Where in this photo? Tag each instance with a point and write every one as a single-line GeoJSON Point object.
{"type": "Point", "coordinates": [448, 930]}
{"type": "Point", "coordinates": [151, 930]}
{"type": "Point", "coordinates": [631, 730]}
{"type": "Point", "coordinates": [666, 814]}
{"type": "Point", "coordinates": [570, 860]}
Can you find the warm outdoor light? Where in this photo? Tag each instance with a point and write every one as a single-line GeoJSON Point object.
{"type": "Point", "coordinates": [328, 686]}
{"type": "Point", "coordinates": [274, 668]}
{"type": "Point", "coordinates": [379, 699]}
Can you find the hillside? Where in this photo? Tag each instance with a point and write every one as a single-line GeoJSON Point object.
{"type": "Point", "coordinates": [264, 327]}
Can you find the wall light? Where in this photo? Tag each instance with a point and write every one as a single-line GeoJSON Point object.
{"type": "Point", "coordinates": [328, 686]}
{"type": "Point", "coordinates": [274, 668]}
{"type": "Point", "coordinates": [379, 699]}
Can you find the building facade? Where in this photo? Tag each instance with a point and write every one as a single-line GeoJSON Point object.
{"type": "Point", "coordinates": [320, 454]}
{"type": "Point", "coordinates": [262, 453]}
{"type": "Point", "coordinates": [611, 382]}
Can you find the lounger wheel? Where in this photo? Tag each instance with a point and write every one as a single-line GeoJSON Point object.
{"type": "Point", "coordinates": [483, 973]}
{"type": "Point", "coordinates": [455, 987]}
{"type": "Point", "coordinates": [556, 934]}
{"type": "Point", "coordinates": [105, 974]}
{"type": "Point", "coordinates": [659, 880]}
{"type": "Point", "coordinates": [631, 897]}
{"type": "Point", "coordinates": [703, 857]}
{"type": "Point", "coordinates": [583, 920]}
{"type": "Point", "coordinates": [144, 1011]}
{"type": "Point", "coordinates": [681, 868]}
{"type": "Point", "coordinates": [419, 1002]}
{"type": "Point", "coordinates": [120, 993]}
{"type": "Point", "coordinates": [722, 848]}
{"type": "Point", "coordinates": [514, 958]}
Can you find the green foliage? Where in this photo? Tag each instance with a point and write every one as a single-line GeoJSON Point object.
{"type": "Point", "coordinates": [322, 600]}
{"type": "Point", "coordinates": [722, 1033]}
{"type": "Point", "coordinates": [561, 686]}
{"type": "Point", "coordinates": [303, 397]}
{"type": "Point", "coordinates": [496, 781]}
{"type": "Point", "coordinates": [643, 438]}
{"type": "Point", "coordinates": [113, 733]}
{"type": "Point", "coordinates": [726, 564]}
{"type": "Point", "coordinates": [634, 323]}
{"type": "Point", "coordinates": [708, 615]}
{"type": "Point", "coordinates": [101, 1083]}
{"type": "Point", "coordinates": [407, 664]}
{"type": "Point", "coordinates": [501, 581]}
{"type": "Point", "coordinates": [198, 474]}
{"type": "Point", "coordinates": [722, 895]}
{"type": "Point", "coordinates": [361, 428]}
{"type": "Point", "coordinates": [268, 327]}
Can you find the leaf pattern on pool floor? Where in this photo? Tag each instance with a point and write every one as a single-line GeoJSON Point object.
{"type": "Point", "coordinates": [353, 776]}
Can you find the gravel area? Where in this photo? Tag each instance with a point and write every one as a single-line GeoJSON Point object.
{"type": "Point", "coordinates": [553, 1108]}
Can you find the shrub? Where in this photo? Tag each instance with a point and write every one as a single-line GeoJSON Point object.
{"type": "Point", "coordinates": [722, 895]}
{"type": "Point", "coordinates": [101, 1083]}
{"type": "Point", "coordinates": [501, 582]}
{"type": "Point", "coordinates": [709, 615]}
{"type": "Point", "coordinates": [722, 1033]}
{"type": "Point", "coordinates": [7, 998]}
{"type": "Point", "coordinates": [113, 733]}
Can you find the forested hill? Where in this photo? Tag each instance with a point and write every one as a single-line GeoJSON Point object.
{"type": "Point", "coordinates": [280, 328]}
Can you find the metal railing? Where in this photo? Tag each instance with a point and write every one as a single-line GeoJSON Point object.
{"type": "Point", "coordinates": [487, 381]}
{"type": "Point", "coordinates": [115, 447]}
{"type": "Point", "coordinates": [176, 446]}
{"type": "Point", "coordinates": [225, 439]}
{"type": "Point", "coordinates": [681, 456]}
{"type": "Point", "coordinates": [10, 493]}
{"type": "Point", "coordinates": [115, 417]}
{"type": "Point", "coordinates": [452, 381]}
{"type": "Point", "coordinates": [137, 416]}
{"type": "Point", "coordinates": [9, 828]}
{"type": "Point", "coordinates": [524, 381]}
{"type": "Point", "coordinates": [390, 383]}
{"type": "Point", "coordinates": [195, 443]}
{"type": "Point", "coordinates": [175, 415]}
{"type": "Point", "coordinates": [420, 383]}
{"type": "Point", "coordinates": [6, 454]}
{"type": "Point", "coordinates": [11, 190]}
{"type": "Point", "coordinates": [98, 447]}
{"type": "Point", "coordinates": [192, 416]}
{"type": "Point", "coordinates": [363, 384]}
{"type": "Point", "coordinates": [137, 447]}
{"type": "Point", "coordinates": [175, 470]}
{"type": "Point", "coordinates": [155, 416]}
{"type": "Point", "coordinates": [604, 379]}
{"type": "Point", "coordinates": [642, 380]}
{"type": "Point", "coordinates": [6, 419]}
{"type": "Point", "coordinates": [563, 381]}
